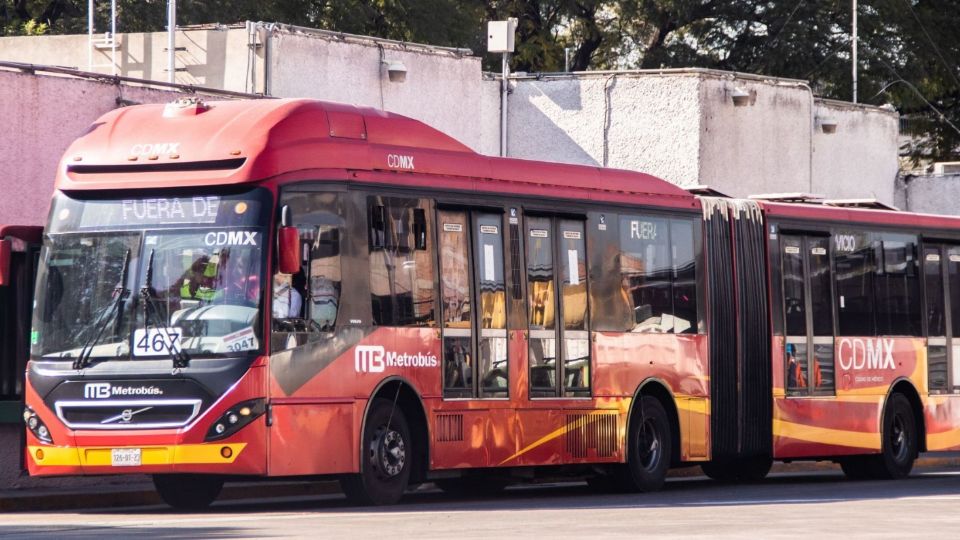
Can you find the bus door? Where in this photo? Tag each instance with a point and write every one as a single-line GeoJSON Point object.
{"type": "Point", "coordinates": [473, 290]}
{"type": "Point", "coordinates": [808, 314]}
{"type": "Point", "coordinates": [559, 338]}
{"type": "Point", "coordinates": [941, 277]}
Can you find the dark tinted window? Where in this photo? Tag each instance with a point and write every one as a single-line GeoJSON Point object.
{"type": "Point", "coordinates": [953, 275]}
{"type": "Point", "coordinates": [855, 270]}
{"type": "Point", "coordinates": [684, 275]}
{"type": "Point", "coordinates": [401, 262]}
{"type": "Point", "coordinates": [898, 287]}
{"type": "Point", "coordinates": [793, 286]}
{"type": "Point", "coordinates": [933, 283]}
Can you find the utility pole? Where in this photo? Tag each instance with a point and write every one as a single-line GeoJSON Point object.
{"type": "Point", "coordinates": [854, 55]}
{"type": "Point", "coordinates": [172, 41]}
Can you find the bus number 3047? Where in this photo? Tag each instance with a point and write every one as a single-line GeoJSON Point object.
{"type": "Point", "coordinates": [156, 341]}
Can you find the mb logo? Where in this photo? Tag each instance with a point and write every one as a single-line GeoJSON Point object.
{"type": "Point", "coordinates": [368, 359]}
{"type": "Point", "coordinates": [99, 390]}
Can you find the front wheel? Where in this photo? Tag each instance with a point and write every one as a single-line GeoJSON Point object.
{"type": "Point", "coordinates": [188, 491]}
{"type": "Point", "coordinates": [649, 447]}
{"type": "Point", "coordinates": [385, 460]}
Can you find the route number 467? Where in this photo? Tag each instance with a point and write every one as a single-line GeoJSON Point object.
{"type": "Point", "coordinates": [156, 341]}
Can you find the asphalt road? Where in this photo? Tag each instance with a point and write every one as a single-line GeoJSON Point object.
{"type": "Point", "coordinates": [926, 505]}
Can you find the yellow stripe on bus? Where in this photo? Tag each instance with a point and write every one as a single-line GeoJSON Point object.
{"type": "Point", "coordinates": [95, 456]}
{"type": "Point", "coordinates": [946, 440]}
{"type": "Point", "coordinates": [822, 435]}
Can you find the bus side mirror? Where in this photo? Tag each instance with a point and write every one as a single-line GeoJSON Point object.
{"type": "Point", "coordinates": [289, 244]}
{"type": "Point", "coordinates": [5, 250]}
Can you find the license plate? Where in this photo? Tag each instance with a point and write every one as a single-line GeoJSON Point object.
{"type": "Point", "coordinates": [125, 457]}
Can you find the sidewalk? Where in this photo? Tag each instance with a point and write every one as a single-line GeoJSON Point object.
{"type": "Point", "coordinates": [143, 494]}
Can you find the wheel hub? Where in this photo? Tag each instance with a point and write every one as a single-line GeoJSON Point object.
{"type": "Point", "coordinates": [388, 451]}
{"type": "Point", "coordinates": [648, 446]}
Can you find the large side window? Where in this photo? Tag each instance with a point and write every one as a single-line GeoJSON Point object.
{"type": "Point", "coordinates": [898, 287]}
{"type": "Point", "coordinates": [855, 262]}
{"type": "Point", "coordinates": [658, 273]}
{"type": "Point", "coordinates": [306, 304]}
{"type": "Point", "coordinates": [401, 262]}
{"type": "Point", "coordinates": [878, 284]}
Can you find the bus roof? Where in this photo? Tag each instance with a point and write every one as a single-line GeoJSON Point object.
{"type": "Point", "coordinates": [192, 143]}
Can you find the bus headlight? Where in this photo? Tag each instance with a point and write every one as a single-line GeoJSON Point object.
{"type": "Point", "coordinates": [235, 418]}
{"type": "Point", "coordinates": [36, 426]}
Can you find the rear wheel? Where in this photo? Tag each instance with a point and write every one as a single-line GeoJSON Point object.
{"type": "Point", "coordinates": [899, 440]}
{"type": "Point", "coordinates": [649, 447]}
{"type": "Point", "coordinates": [188, 491]}
{"type": "Point", "coordinates": [386, 457]}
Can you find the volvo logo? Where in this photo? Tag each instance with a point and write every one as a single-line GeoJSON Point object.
{"type": "Point", "coordinates": [125, 416]}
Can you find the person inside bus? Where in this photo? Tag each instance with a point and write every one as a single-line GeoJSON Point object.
{"type": "Point", "coordinates": [287, 298]}
{"type": "Point", "coordinates": [795, 377]}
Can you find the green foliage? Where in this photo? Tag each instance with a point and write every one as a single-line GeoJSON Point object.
{"type": "Point", "coordinates": [909, 49]}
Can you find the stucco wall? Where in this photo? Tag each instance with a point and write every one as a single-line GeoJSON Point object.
{"type": "Point", "coordinates": [859, 159]}
{"type": "Point", "coordinates": [42, 115]}
{"type": "Point", "coordinates": [761, 147]}
{"type": "Point", "coordinates": [442, 89]}
{"type": "Point", "coordinates": [209, 57]}
{"type": "Point", "coordinates": [629, 121]}
{"type": "Point", "coordinates": [933, 194]}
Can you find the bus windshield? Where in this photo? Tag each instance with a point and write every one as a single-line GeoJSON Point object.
{"type": "Point", "coordinates": [128, 282]}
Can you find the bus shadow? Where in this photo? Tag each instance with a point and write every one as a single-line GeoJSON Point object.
{"type": "Point", "coordinates": [783, 489]}
{"type": "Point", "coordinates": [98, 532]}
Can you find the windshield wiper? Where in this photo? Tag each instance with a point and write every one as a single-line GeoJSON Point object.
{"type": "Point", "coordinates": [114, 312]}
{"type": "Point", "coordinates": [149, 295]}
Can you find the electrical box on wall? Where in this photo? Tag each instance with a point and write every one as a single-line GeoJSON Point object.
{"type": "Point", "coordinates": [500, 35]}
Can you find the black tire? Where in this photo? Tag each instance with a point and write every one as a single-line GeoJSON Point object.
{"type": "Point", "coordinates": [649, 447]}
{"type": "Point", "coordinates": [900, 439]}
{"type": "Point", "coordinates": [471, 486]}
{"type": "Point", "coordinates": [738, 470]}
{"type": "Point", "coordinates": [189, 492]}
{"type": "Point", "coordinates": [386, 457]}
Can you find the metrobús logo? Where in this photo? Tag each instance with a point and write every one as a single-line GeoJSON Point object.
{"type": "Point", "coordinates": [375, 359]}
{"type": "Point", "coordinates": [105, 390]}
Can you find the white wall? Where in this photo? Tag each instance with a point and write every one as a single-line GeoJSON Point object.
{"type": "Point", "coordinates": [442, 89]}
{"type": "Point", "coordinates": [860, 158]}
{"type": "Point", "coordinates": [42, 116]}
{"type": "Point", "coordinates": [932, 194]}
{"type": "Point", "coordinates": [683, 126]}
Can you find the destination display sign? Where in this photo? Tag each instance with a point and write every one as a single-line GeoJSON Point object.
{"type": "Point", "coordinates": [150, 212]}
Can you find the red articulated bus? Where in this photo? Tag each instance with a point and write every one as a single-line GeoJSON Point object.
{"type": "Point", "coordinates": [285, 288]}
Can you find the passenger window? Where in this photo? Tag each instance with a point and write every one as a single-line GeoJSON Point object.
{"type": "Point", "coordinates": [854, 258]}
{"type": "Point", "coordinates": [898, 288]}
{"type": "Point", "coordinates": [401, 262]}
{"type": "Point", "coordinates": [306, 304]}
{"type": "Point", "coordinates": [658, 274]}
{"type": "Point", "coordinates": [684, 276]}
